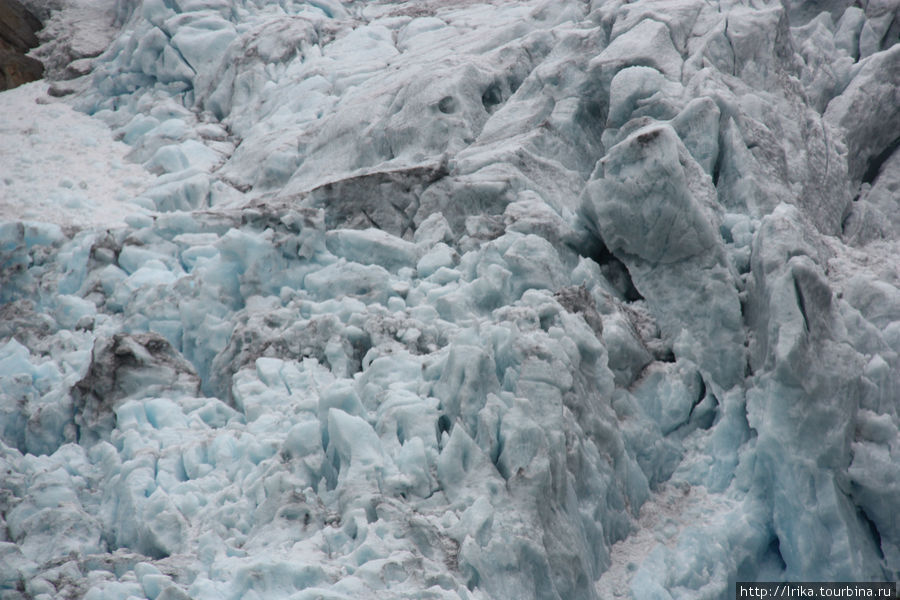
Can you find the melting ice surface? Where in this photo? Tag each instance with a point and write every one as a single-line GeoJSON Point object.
{"type": "Point", "coordinates": [544, 299]}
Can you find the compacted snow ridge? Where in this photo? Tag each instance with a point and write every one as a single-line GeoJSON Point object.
{"type": "Point", "coordinates": [470, 300]}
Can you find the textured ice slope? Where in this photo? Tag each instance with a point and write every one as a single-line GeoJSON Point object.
{"type": "Point", "coordinates": [538, 299]}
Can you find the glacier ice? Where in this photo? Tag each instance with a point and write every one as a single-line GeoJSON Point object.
{"type": "Point", "coordinates": [456, 300]}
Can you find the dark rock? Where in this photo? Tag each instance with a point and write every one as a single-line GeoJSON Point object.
{"type": "Point", "coordinates": [17, 37]}
{"type": "Point", "coordinates": [578, 300]}
{"type": "Point", "coordinates": [386, 200]}
{"type": "Point", "coordinates": [58, 90]}
{"type": "Point", "coordinates": [17, 27]}
{"type": "Point", "coordinates": [20, 320]}
{"type": "Point", "coordinates": [278, 333]}
{"type": "Point", "coordinates": [127, 366]}
{"type": "Point", "coordinates": [16, 69]}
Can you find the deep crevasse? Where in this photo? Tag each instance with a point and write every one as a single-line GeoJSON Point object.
{"type": "Point", "coordinates": [546, 299]}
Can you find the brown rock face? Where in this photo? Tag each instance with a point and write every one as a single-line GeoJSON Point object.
{"type": "Point", "coordinates": [17, 36]}
{"type": "Point", "coordinates": [16, 69]}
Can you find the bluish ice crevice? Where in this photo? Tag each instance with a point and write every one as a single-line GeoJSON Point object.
{"type": "Point", "coordinates": [468, 300]}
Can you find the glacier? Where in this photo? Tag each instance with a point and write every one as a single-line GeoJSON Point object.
{"type": "Point", "coordinates": [463, 299]}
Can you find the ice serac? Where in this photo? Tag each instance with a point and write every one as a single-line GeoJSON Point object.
{"type": "Point", "coordinates": [802, 398]}
{"type": "Point", "coordinates": [532, 300]}
{"type": "Point", "coordinates": [654, 207]}
{"type": "Point", "coordinates": [867, 111]}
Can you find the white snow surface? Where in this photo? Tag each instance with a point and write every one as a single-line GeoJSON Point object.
{"type": "Point", "coordinates": [60, 166]}
{"type": "Point", "coordinates": [532, 299]}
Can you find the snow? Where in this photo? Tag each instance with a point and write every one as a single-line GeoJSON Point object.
{"type": "Point", "coordinates": [59, 166]}
{"type": "Point", "coordinates": [458, 300]}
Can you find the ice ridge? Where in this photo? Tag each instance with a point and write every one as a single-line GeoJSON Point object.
{"type": "Point", "coordinates": [534, 299]}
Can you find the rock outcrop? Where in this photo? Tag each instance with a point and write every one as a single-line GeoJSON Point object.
{"type": "Point", "coordinates": [17, 36]}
